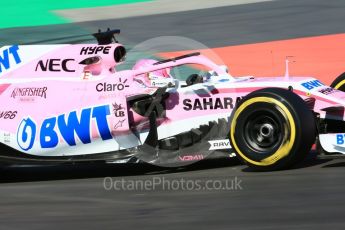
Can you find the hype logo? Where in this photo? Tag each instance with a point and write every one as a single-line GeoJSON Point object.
{"type": "Point", "coordinates": [68, 126]}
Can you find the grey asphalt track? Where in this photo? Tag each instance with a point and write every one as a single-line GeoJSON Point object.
{"type": "Point", "coordinates": [311, 196]}
{"type": "Point", "coordinates": [216, 27]}
{"type": "Point", "coordinates": [308, 197]}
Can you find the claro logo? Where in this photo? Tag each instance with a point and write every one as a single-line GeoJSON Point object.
{"type": "Point", "coordinates": [107, 87]}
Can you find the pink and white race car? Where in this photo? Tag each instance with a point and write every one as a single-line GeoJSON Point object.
{"type": "Point", "coordinates": [68, 103]}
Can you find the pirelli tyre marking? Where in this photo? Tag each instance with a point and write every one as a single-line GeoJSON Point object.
{"type": "Point", "coordinates": [288, 141]}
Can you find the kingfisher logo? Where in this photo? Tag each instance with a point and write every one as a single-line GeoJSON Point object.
{"type": "Point", "coordinates": [68, 127]}
{"type": "Point", "coordinates": [30, 92]}
{"type": "Point", "coordinates": [7, 56]}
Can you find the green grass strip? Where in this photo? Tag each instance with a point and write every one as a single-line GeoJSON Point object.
{"type": "Point", "coordinates": [20, 13]}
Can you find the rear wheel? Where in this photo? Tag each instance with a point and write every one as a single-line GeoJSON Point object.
{"type": "Point", "coordinates": [272, 129]}
{"type": "Point", "coordinates": [339, 83]}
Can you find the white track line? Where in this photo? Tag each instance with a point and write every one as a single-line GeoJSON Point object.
{"type": "Point", "coordinates": [146, 8]}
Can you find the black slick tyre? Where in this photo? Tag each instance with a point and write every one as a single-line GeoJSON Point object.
{"type": "Point", "coordinates": [272, 129]}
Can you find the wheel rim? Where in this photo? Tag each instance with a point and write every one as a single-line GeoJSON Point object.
{"type": "Point", "coordinates": [255, 107]}
{"type": "Point", "coordinates": [263, 132]}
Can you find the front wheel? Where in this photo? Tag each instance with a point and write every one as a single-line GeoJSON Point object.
{"type": "Point", "coordinates": [339, 83]}
{"type": "Point", "coordinates": [272, 129]}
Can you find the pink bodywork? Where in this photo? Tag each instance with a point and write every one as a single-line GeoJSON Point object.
{"type": "Point", "coordinates": [85, 86]}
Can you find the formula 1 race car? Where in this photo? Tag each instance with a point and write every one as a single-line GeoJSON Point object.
{"type": "Point", "coordinates": [68, 103]}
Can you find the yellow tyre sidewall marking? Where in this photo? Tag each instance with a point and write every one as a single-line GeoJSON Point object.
{"type": "Point", "coordinates": [340, 84]}
{"type": "Point", "coordinates": [287, 145]}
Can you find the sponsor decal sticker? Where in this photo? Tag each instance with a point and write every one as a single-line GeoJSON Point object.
{"type": "Point", "coordinates": [327, 91]}
{"type": "Point", "coordinates": [340, 139]}
{"type": "Point", "coordinates": [8, 114]}
{"type": "Point", "coordinates": [312, 84]}
{"type": "Point", "coordinates": [161, 82]}
{"type": "Point", "coordinates": [95, 50]}
{"type": "Point", "coordinates": [7, 138]}
{"type": "Point", "coordinates": [7, 56]}
{"type": "Point", "coordinates": [119, 124]}
{"type": "Point", "coordinates": [220, 144]}
{"type": "Point", "coordinates": [29, 92]}
{"type": "Point", "coordinates": [86, 75]}
{"type": "Point", "coordinates": [191, 157]}
{"type": "Point", "coordinates": [55, 65]}
{"type": "Point", "coordinates": [26, 134]}
{"type": "Point", "coordinates": [118, 110]}
{"type": "Point", "coordinates": [108, 87]}
{"type": "Point", "coordinates": [68, 126]}
{"type": "Point", "coordinates": [210, 103]}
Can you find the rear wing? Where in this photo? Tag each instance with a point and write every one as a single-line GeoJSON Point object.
{"type": "Point", "coordinates": [106, 37]}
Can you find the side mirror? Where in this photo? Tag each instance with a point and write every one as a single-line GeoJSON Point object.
{"type": "Point", "coordinates": [92, 65]}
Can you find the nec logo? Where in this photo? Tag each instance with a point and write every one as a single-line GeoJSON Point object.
{"type": "Point", "coordinates": [312, 84]}
{"type": "Point", "coordinates": [55, 65]}
{"type": "Point", "coordinates": [6, 57]}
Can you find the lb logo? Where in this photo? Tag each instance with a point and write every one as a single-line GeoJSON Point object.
{"type": "Point", "coordinates": [26, 134]}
